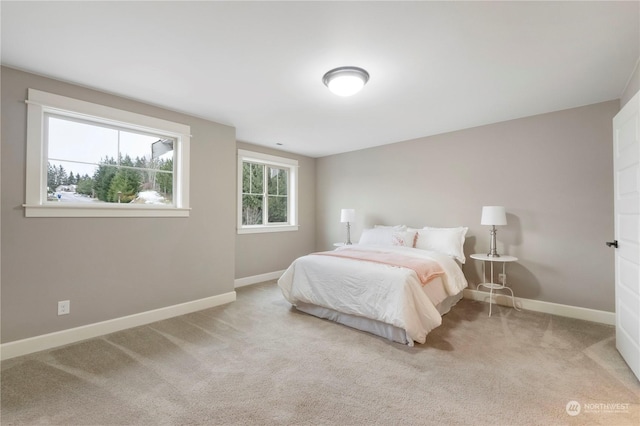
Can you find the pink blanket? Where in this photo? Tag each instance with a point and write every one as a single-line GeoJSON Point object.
{"type": "Point", "coordinates": [425, 269]}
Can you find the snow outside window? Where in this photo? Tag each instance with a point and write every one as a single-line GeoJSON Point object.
{"type": "Point", "coordinates": [89, 160]}
{"type": "Point", "coordinates": [267, 193]}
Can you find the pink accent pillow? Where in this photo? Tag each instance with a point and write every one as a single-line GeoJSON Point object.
{"type": "Point", "coordinates": [387, 237]}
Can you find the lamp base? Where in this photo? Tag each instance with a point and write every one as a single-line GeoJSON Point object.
{"type": "Point", "coordinates": [492, 249]}
{"type": "Point", "coordinates": [348, 242]}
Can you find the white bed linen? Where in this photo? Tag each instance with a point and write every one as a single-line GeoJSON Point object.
{"type": "Point", "coordinates": [389, 294]}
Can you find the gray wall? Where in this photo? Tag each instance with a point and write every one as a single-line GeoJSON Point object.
{"type": "Point", "coordinates": [632, 86]}
{"type": "Point", "coordinates": [273, 251]}
{"type": "Point", "coordinates": [552, 172]}
{"type": "Point", "coordinates": [111, 267]}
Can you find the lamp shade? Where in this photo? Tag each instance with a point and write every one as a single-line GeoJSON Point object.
{"type": "Point", "coordinates": [493, 215]}
{"type": "Point", "coordinates": [347, 215]}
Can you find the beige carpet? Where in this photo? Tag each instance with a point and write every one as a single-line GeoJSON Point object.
{"type": "Point", "coordinates": [258, 361]}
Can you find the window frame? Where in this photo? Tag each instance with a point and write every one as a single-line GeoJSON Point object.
{"type": "Point", "coordinates": [40, 103]}
{"type": "Point", "coordinates": [292, 192]}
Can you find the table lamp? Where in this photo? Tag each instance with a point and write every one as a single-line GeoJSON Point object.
{"type": "Point", "coordinates": [347, 216]}
{"type": "Point", "coordinates": [493, 215]}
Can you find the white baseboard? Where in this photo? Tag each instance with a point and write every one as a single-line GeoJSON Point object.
{"type": "Point", "coordinates": [72, 335]}
{"type": "Point", "coordinates": [576, 312]}
{"type": "Point", "coordinates": [241, 282]}
{"type": "Point", "coordinates": [65, 337]}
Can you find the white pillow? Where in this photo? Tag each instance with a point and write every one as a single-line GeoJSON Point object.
{"type": "Point", "coordinates": [387, 237]}
{"type": "Point", "coordinates": [443, 240]}
{"type": "Point", "coordinates": [394, 227]}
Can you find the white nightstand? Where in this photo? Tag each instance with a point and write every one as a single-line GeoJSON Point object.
{"type": "Point", "coordinates": [338, 244]}
{"type": "Point", "coordinates": [490, 284]}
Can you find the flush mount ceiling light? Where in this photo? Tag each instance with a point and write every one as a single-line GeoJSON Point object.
{"type": "Point", "coordinates": [345, 81]}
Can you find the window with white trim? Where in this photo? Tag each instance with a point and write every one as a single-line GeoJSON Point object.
{"type": "Point", "coordinates": [267, 193]}
{"type": "Point", "coordinates": [85, 159]}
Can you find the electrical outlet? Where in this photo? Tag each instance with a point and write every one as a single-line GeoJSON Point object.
{"type": "Point", "coordinates": [64, 307]}
{"type": "Point", "coordinates": [502, 278]}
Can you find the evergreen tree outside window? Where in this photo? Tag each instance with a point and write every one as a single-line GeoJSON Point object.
{"type": "Point", "coordinates": [277, 195]}
{"type": "Point", "coordinates": [252, 193]}
{"type": "Point", "coordinates": [267, 193]}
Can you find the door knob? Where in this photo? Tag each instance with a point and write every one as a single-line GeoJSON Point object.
{"type": "Point", "coordinates": [613, 243]}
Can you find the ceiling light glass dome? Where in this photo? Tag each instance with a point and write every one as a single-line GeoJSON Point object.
{"type": "Point", "coordinates": [345, 81]}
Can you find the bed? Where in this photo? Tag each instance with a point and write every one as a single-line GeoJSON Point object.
{"type": "Point", "coordinates": [396, 283]}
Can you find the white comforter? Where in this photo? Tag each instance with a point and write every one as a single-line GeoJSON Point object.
{"type": "Point", "coordinates": [389, 294]}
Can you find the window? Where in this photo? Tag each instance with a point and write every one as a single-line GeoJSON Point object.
{"type": "Point", "coordinates": [85, 159]}
{"type": "Point", "coordinates": [267, 193]}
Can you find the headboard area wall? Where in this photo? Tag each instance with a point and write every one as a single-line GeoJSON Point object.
{"type": "Point", "coordinates": [553, 173]}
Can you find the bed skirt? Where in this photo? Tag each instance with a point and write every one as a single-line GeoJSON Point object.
{"type": "Point", "coordinates": [378, 328]}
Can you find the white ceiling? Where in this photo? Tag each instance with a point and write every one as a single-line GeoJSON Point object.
{"type": "Point", "coordinates": [435, 66]}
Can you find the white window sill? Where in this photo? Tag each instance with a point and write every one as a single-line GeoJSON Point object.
{"type": "Point", "coordinates": [54, 210]}
{"type": "Point", "coordinates": [270, 228]}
